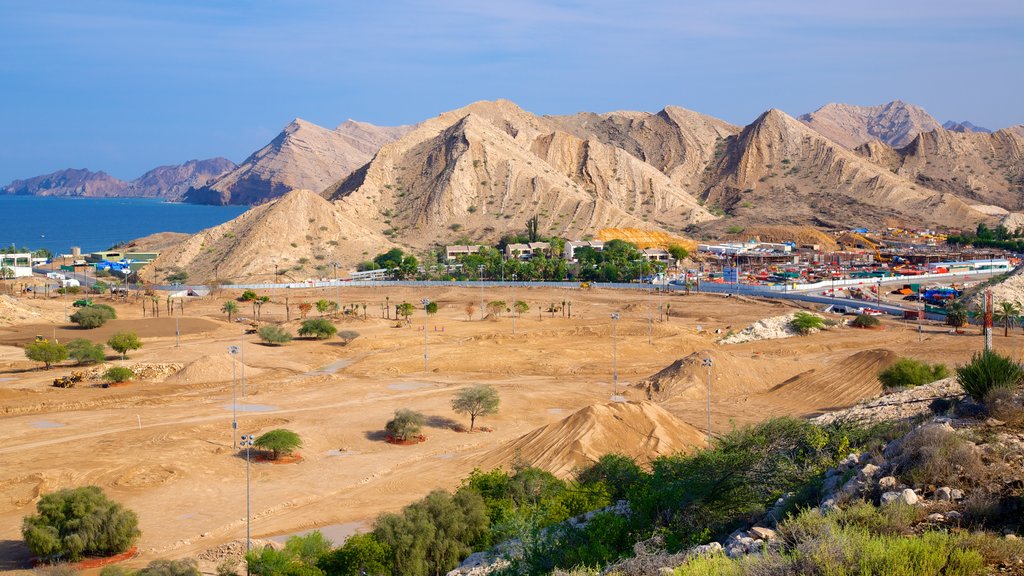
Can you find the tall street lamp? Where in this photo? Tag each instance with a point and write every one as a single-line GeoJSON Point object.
{"type": "Point", "coordinates": [233, 350]}
{"type": "Point", "coordinates": [513, 303]}
{"type": "Point", "coordinates": [480, 270]}
{"type": "Point", "coordinates": [615, 353]}
{"type": "Point", "coordinates": [707, 362]}
{"type": "Point", "coordinates": [177, 331]}
{"type": "Point", "coordinates": [337, 284]}
{"type": "Point", "coordinates": [247, 441]}
{"type": "Point", "coordinates": [426, 356]}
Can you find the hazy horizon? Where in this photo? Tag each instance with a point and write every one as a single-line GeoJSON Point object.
{"type": "Point", "coordinates": [125, 87]}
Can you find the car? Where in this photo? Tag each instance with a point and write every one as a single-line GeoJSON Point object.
{"type": "Point", "coordinates": [84, 302]}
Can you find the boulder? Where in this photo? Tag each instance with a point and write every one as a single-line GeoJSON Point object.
{"type": "Point", "coordinates": [762, 533]}
{"type": "Point", "coordinates": [888, 497]}
{"type": "Point", "coordinates": [869, 471]}
{"type": "Point", "coordinates": [908, 496]}
{"type": "Point", "coordinates": [936, 517]}
{"type": "Point", "coordinates": [944, 493]}
{"type": "Point", "coordinates": [956, 494]}
{"type": "Point", "coordinates": [953, 515]}
{"type": "Point", "coordinates": [888, 483]}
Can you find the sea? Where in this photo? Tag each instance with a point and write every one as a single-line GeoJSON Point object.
{"type": "Point", "coordinates": [94, 224]}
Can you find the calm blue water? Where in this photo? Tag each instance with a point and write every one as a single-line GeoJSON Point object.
{"type": "Point", "coordinates": [93, 224]}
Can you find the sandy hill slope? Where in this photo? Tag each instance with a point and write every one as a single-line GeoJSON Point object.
{"type": "Point", "coordinates": [836, 385]}
{"type": "Point", "coordinates": [484, 170]}
{"type": "Point", "coordinates": [679, 142]}
{"type": "Point", "coordinates": [300, 232]}
{"type": "Point", "coordinates": [686, 379]}
{"type": "Point", "coordinates": [1011, 289]}
{"type": "Point", "coordinates": [779, 171]}
{"type": "Point", "coordinates": [69, 182]}
{"type": "Point", "coordinates": [302, 156]}
{"type": "Point", "coordinates": [173, 181]}
{"type": "Point", "coordinates": [895, 123]}
{"type": "Point", "coordinates": [640, 430]}
{"type": "Point", "coordinates": [964, 126]}
{"type": "Point", "coordinates": [982, 167]}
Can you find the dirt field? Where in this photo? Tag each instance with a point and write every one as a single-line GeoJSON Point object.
{"type": "Point", "coordinates": [164, 448]}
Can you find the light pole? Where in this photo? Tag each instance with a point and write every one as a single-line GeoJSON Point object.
{"type": "Point", "coordinates": [247, 441]}
{"type": "Point", "coordinates": [273, 287]}
{"type": "Point", "coordinates": [480, 270]}
{"type": "Point", "coordinates": [337, 284]}
{"type": "Point", "coordinates": [513, 303]}
{"type": "Point", "coordinates": [615, 353]}
{"type": "Point", "coordinates": [241, 355]}
{"type": "Point", "coordinates": [708, 363]}
{"type": "Point", "coordinates": [426, 355]}
{"type": "Point", "coordinates": [177, 331]}
{"type": "Point", "coordinates": [233, 350]}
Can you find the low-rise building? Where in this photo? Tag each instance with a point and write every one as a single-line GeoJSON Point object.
{"type": "Point", "coordinates": [657, 254]}
{"type": "Point", "coordinates": [457, 250]}
{"type": "Point", "coordinates": [527, 251]}
{"type": "Point", "coordinates": [569, 252]}
{"type": "Point", "coordinates": [19, 263]}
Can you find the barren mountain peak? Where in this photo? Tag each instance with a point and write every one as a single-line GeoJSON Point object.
{"type": "Point", "coordinates": [895, 123]}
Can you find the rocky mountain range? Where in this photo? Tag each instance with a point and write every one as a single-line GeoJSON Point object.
{"type": "Point", "coordinates": [964, 126]}
{"type": "Point", "coordinates": [169, 182]}
{"type": "Point", "coordinates": [895, 123]}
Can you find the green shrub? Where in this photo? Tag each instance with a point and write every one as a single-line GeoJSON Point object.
{"type": "Point", "coordinates": [804, 323]}
{"type": "Point", "coordinates": [935, 454]}
{"type": "Point", "coordinates": [78, 522]}
{"type": "Point", "coordinates": [616, 472]}
{"type": "Point", "coordinates": [247, 296]}
{"type": "Point", "coordinates": [988, 370]}
{"type": "Point", "coordinates": [111, 312]}
{"type": "Point", "coordinates": [118, 374]}
{"type": "Point", "coordinates": [275, 335]}
{"type": "Point", "coordinates": [280, 442]}
{"type": "Point", "coordinates": [361, 554]}
{"type": "Point", "coordinates": [47, 352]}
{"type": "Point", "coordinates": [908, 372]}
{"type": "Point", "coordinates": [122, 342]}
{"type": "Point", "coordinates": [319, 328]}
{"type": "Point", "coordinates": [865, 321]}
{"type": "Point", "coordinates": [162, 567]}
{"type": "Point", "coordinates": [93, 316]}
{"type": "Point", "coordinates": [85, 352]}
{"type": "Point", "coordinates": [406, 424]}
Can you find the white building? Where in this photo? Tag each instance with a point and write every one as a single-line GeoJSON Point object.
{"type": "Point", "coordinates": [569, 253]}
{"type": "Point", "coordinates": [456, 250]}
{"type": "Point", "coordinates": [20, 263]}
{"type": "Point", "coordinates": [525, 251]}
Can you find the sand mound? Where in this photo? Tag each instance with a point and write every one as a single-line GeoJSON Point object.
{"type": "Point", "coordinates": [645, 238]}
{"type": "Point", "coordinates": [212, 368]}
{"type": "Point", "coordinates": [640, 430]}
{"type": "Point", "coordinates": [764, 329]}
{"type": "Point", "coordinates": [839, 385]}
{"type": "Point", "coordinates": [13, 311]}
{"type": "Point", "coordinates": [687, 378]}
{"type": "Point", "coordinates": [802, 235]}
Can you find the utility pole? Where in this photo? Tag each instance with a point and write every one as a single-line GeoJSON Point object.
{"type": "Point", "coordinates": [426, 355]}
{"type": "Point", "coordinates": [708, 362]}
{"type": "Point", "coordinates": [988, 320]}
{"type": "Point", "coordinates": [615, 353]}
{"type": "Point", "coordinates": [513, 303]}
{"type": "Point", "coordinates": [480, 270]}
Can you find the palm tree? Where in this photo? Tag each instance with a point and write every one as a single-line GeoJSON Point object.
{"type": "Point", "coordinates": [956, 314]}
{"type": "Point", "coordinates": [229, 308]}
{"type": "Point", "coordinates": [1007, 313]}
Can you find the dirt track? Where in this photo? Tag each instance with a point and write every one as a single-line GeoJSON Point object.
{"type": "Point", "coordinates": [180, 473]}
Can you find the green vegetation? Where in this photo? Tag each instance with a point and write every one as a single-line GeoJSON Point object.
{"type": "Point", "coordinates": [247, 296]}
{"type": "Point", "coordinates": [86, 352]}
{"type": "Point", "coordinates": [1006, 313]}
{"type": "Point", "coordinates": [405, 425]}
{"type": "Point", "coordinates": [479, 400]}
{"type": "Point", "coordinates": [858, 541]}
{"type": "Point", "coordinates": [986, 371]}
{"type": "Point", "coordinates": [520, 307]}
{"type": "Point", "coordinates": [403, 265]}
{"type": "Point", "coordinates": [430, 308]}
{"type": "Point", "coordinates": [325, 306]}
{"type": "Point", "coordinates": [49, 353]}
{"type": "Point", "coordinates": [274, 335]}
{"type": "Point", "coordinates": [908, 372]}
{"type": "Point", "coordinates": [122, 342]}
{"type": "Point", "coordinates": [865, 321]}
{"type": "Point", "coordinates": [78, 522]}
{"type": "Point", "coordinates": [678, 252]}
{"type": "Point", "coordinates": [280, 442]}
{"type": "Point", "coordinates": [804, 323]}
{"type": "Point", "coordinates": [299, 557]}
{"type": "Point", "coordinates": [177, 277]}
{"type": "Point", "coordinates": [93, 316]}
{"type": "Point", "coordinates": [230, 308]}
{"type": "Point", "coordinates": [362, 554]}
{"type": "Point", "coordinates": [116, 374]}
{"type": "Point", "coordinates": [956, 314]}
{"type": "Point", "coordinates": [404, 310]}
{"type": "Point", "coordinates": [319, 328]}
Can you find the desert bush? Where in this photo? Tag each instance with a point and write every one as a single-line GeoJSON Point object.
{"type": "Point", "coordinates": [280, 442]}
{"type": "Point", "coordinates": [361, 554]}
{"type": "Point", "coordinates": [319, 328]}
{"type": "Point", "coordinates": [247, 296]}
{"type": "Point", "coordinates": [122, 342]}
{"type": "Point", "coordinates": [988, 370]}
{"type": "Point", "coordinates": [92, 316]}
{"type": "Point", "coordinates": [78, 522]}
{"type": "Point", "coordinates": [1003, 404]}
{"type": "Point", "coordinates": [181, 567]}
{"type": "Point", "coordinates": [406, 424]}
{"type": "Point", "coordinates": [617, 473]}
{"type": "Point", "coordinates": [49, 353]}
{"type": "Point", "coordinates": [935, 454]}
{"type": "Point", "coordinates": [804, 323]}
{"type": "Point", "coordinates": [865, 321]}
{"type": "Point", "coordinates": [111, 312]}
{"type": "Point", "coordinates": [86, 352]}
{"type": "Point", "coordinates": [910, 372]}
{"type": "Point", "coordinates": [274, 335]}
{"type": "Point", "coordinates": [118, 374]}
{"type": "Point", "coordinates": [432, 535]}
{"type": "Point", "coordinates": [348, 335]}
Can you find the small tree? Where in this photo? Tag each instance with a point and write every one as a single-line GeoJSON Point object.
{"type": "Point", "coordinates": [361, 554]}
{"type": "Point", "coordinates": [470, 310]}
{"type": "Point", "coordinates": [100, 287]}
{"type": "Point", "coordinates": [319, 328]}
{"type": "Point", "coordinates": [431, 308]}
{"type": "Point", "coordinates": [280, 442]}
{"type": "Point", "coordinates": [521, 307]}
{"type": "Point", "coordinates": [678, 252]}
{"type": "Point", "coordinates": [85, 352]}
{"type": "Point", "coordinates": [47, 352]}
{"type": "Point", "coordinates": [1006, 313]}
{"type": "Point", "coordinates": [122, 342]}
{"type": "Point", "coordinates": [496, 307]}
{"type": "Point", "coordinates": [956, 315]}
{"type": "Point", "coordinates": [78, 522]}
{"type": "Point", "coordinates": [405, 310]}
{"type": "Point", "coordinates": [322, 306]}
{"type": "Point", "coordinates": [804, 323]}
{"type": "Point", "coordinates": [116, 374]}
{"type": "Point", "coordinates": [230, 308]}
{"type": "Point", "coordinates": [865, 321]}
{"type": "Point", "coordinates": [348, 336]}
{"type": "Point", "coordinates": [479, 400]}
{"type": "Point", "coordinates": [304, 309]}
{"type": "Point", "coordinates": [92, 316]}
{"type": "Point", "coordinates": [274, 335]}
{"type": "Point", "coordinates": [247, 296]}
{"type": "Point", "coordinates": [405, 425]}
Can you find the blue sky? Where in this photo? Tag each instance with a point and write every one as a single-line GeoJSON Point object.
{"type": "Point", "coordinates": [124, 86]}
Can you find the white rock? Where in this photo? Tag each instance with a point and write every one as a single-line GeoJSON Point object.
{"type": "Point", "coordinates": [908, 496]}
{"type": "Point", "coordinates": [869, 471]}
{"type": "Point", "coordinates": [762, 533]}
{"type": "Point", "coordinates": [888, 483]}
{"type": "Point", "coordinates": [936, 517]}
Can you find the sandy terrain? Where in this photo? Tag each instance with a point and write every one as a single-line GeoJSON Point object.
{"type": "Point", "coordinates": [164, 446]}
